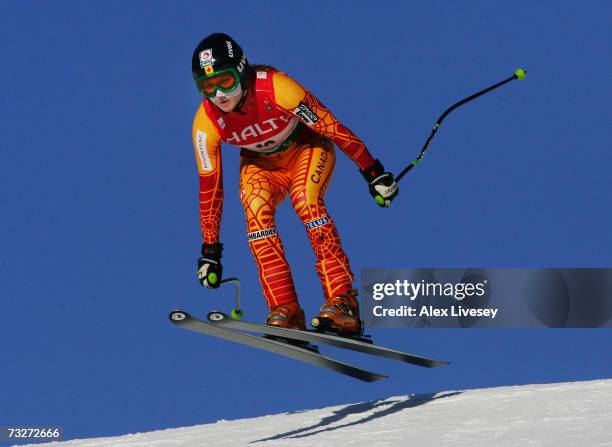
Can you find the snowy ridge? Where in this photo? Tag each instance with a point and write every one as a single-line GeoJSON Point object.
{"type": "Point", "coordinates": [563, 414]}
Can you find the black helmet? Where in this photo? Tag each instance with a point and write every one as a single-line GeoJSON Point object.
{"type": "Point", "coordinates": [218, 53]}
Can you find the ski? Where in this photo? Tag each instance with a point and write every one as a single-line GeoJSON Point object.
{"type": "Point", "coordinates": [184, 320]}
{"type": "Point", "coordinates": [222, 320]}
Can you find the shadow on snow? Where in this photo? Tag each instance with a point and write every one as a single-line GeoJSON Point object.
{"type": "Point", "coordinates": [393, 406]}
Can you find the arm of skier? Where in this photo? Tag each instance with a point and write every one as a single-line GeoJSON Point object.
{"type": "Point", "coordinates": [294, 99]}
{"type": "Point", "coordinates": [207, 146]}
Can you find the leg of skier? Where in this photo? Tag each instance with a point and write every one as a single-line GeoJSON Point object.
{"type": "Point", "coordinates": [311, 174]}
{"type": "Point", "coordinates": [262, 187]}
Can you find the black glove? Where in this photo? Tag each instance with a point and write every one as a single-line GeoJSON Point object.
{"type": "Point", "coordinates": [209, 265]}
{"type": "Point", "coordinates": [382, 184]}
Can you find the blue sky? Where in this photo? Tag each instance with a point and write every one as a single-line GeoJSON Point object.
{"type": "Point", "coordinates": [100, 234]}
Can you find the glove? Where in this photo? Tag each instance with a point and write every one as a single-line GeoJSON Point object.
{"type": "Point", "coordinates": [209, 265]}
{"type": "Point", "coordinates": [382, 184]}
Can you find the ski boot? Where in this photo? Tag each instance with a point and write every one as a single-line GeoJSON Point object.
{"type": "Point", "coordinates": [288, 315]}
{"type": "Point", "coordinates": [340, 314]}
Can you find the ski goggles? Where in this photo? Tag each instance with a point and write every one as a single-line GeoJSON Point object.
{"type": "Point", "coordinates": [225, 80]}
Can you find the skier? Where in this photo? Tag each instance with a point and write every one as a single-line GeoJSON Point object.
{"type": "Point", "coordinates": [287, 141]}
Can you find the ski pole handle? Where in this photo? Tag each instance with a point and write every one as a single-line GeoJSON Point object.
{"type": "Point", "coordinates": [212, 278]}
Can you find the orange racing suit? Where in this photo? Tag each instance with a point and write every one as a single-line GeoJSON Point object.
{"type": "Point", "coordinates": [286, 137]}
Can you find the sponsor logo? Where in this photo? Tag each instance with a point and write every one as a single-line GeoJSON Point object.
{"type": "Point", "coordinates": [202, 151]}
{"type": "Point", "coordinates": [316, 175]}
{"type": "Point", "coordinates": [242, 64]}
{"type": "Point", "coordinates": [230, 49]}
{"type": "Point", "coordinates": [317, 223]}
{"type": "Point", "coordinates": [206, 58]}
{"type": "Point", "coordinates": [209, 70]}
{"type": "Point", "coordinates": [265, 137]}
{"type": "Point", "coordinates": [261, 234]}
{"type": "Point", "coordinates": [258, 129]}
{"type": "Point", "coordinates": [262, 75]}
{"type": "Point", "coordinates": [221, 122]}
{"type": "Point", "coordinates": [306, 114]}
{"type": "Point", "coordinates": [389, 191]}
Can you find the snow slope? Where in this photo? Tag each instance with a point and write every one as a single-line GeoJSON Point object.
{"type": "Point", "coordinates": [564, 414]}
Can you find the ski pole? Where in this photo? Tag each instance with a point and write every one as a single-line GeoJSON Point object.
{"type": "Point", "coordinates": [236, 313]}
{"type": "Point", "coordinates": [518, 74]}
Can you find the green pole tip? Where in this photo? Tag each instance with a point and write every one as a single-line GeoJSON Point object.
{"type": "Point", "coordinates": [520, 74]}
{"type": "Point", "coordinates": [237, 314]}
{"type": "Point", "coordinates": [379, 200]}
{"type": "Point", "coordinates": [212, 278]}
